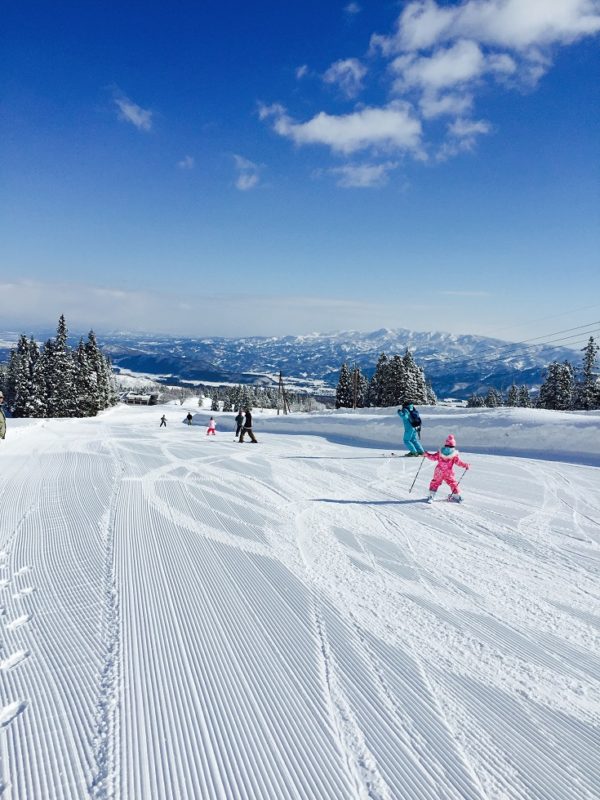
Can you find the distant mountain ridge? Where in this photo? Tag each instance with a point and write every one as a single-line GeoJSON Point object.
{"type": "Point", "coordinates": [456, 365]}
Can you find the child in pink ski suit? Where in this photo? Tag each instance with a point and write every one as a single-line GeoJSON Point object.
{"type": "Point", "coordinates": [446, 458]}
{"type": "Point", "coordinates": [211, 430]}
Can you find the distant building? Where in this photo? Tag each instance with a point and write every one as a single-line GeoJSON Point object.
{"type": "Point", "coordinates": [135, 399]}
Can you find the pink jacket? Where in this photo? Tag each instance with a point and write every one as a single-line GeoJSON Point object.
{"type": "Point", "coordinates": [445, 464]}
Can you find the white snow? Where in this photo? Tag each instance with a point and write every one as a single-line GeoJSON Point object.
{"type": "Point", "coordinates": [188, 617]}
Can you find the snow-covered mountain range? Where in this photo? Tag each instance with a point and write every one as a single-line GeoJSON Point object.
{"type": "Point", "coordinates": [456, 365]}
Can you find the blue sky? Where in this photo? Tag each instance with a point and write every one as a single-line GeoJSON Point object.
{"type": "Point", "coordinates": [267, 168]}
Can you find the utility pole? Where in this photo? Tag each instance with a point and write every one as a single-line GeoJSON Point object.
{"type": "Point", "coordinates": [283, 396]}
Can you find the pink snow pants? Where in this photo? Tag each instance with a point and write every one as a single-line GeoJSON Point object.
{"type": "Point", "coordinates": [439, 476]}
{"type": "Point", "coordinates": [211, 432]}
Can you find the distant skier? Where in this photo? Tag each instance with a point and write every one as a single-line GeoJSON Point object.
{"type": "Point", "coordinates": [239, 423]}
{"type": "Point", "coordinates": [163, 422]}
{"type": "Point", "coordinates": [212, 426]}
{"type": "Point", "coordinates": [189, 418]}
{"type": "Point", "coordinates": [411, 434]}
{"type": "Point", "coordinates": [247, 427]}
{"type": "Point", "coordinates": [2, 418]}
{"type": "Point", "coordinates": [446, 458]}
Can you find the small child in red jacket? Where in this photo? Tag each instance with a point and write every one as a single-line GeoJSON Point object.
{"type": "Point", "coordinates": [446, 458]}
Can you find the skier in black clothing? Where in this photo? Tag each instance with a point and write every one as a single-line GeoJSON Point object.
{"type": "Point", "coordinates": [247, 427]}
{"type": "Point", "coordinates": [163, 422]}
{"type": "Point", "coordinates": [239, 421]}
{"type": "Point", "coordinates": [189, 418]}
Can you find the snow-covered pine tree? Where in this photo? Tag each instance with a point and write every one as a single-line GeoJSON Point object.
{"type": "Point", "coordinates": [566, 387]}
{"type": "Point", "coordinates": [556, 392]}
{"type": "Point", "coordinates": [363, 390]}
{"type": "Point", "coordinates": [431, 395]}
{"type": "Point", "coordinates": [35, 405]}
{"type": "Point", "coordinates": [247, 397]}
{"type": "Point", "coordinates": [85, 383]}
{"type": "Point", "coordinates": [227, 402]}
{"type": "Point", "coordinates": [20, 370]}
{"type": "Point", "coordinates": [377, 382]}
{"type": "Point", "coordinates": [343, 392]}
{"type": "Point", "coordinates": [588, 390]}
{"type": "Point", "coordinates": [394, 390]}
{"type": "Point", "coordinates": [104, 395]}
{"type": "Point", "coordinates": [214, 405]}
{"type": "Point", "coordinates": [493, 398]}
{"type": "Point", "coordinates": [60, 374]}
{"type": "Point", "coordinates": [475, 401]}
{"type": "Point", "coordinates": [512, 397]}
{"type": "Point", "coordinates": [524, 400]}
{"type": "Point", "coordinates": [415, 387]}
{"type": "Point", "coordinates": [549, 388]}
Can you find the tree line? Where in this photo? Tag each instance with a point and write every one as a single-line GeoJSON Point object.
{"type": "Point", "coordinates": [565, 388]}
{"type": "Point", "coordinates": [57, 380]}
{"type": "Point", "coordinates": [395, 380]}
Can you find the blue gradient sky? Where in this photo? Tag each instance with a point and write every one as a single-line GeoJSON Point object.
{"type": "Point", "coordinates": [269, 168]}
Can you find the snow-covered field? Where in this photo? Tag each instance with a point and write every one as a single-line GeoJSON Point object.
{"type": "Point", "coordinates": [186, 617]}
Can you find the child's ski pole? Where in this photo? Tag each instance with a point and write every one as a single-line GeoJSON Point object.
{"type": "Point", "coordinates": [462, 476]}
{"type": "Point", "coordinates": [417, 475]}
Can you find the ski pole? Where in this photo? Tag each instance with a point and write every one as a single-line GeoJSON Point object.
{"type": "Point", "coordinates": [417, 475]}
{"type": "Point", "coordinates": [461, 477]}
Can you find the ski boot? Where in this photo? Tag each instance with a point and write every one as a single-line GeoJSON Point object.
{"type": "Point", "coordinates": [430, 497]}
{"type": "Point", "coordinates": [454, 498]}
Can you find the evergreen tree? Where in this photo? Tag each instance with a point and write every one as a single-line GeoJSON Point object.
{"type": "Point", "coordinates": [59, 374]}
{"type": "Point", "coordinates": [588, 391]}
{"type": "Point", "coordinates": [35, 403]}
{"type": "Point", "coordinates": [524, 400]}
{"type": "Point", "coordinates": [377, 382]}
{"type": "Point", "coordinates": [415, 387]}
{"type": "Point", "coordinates": [431, 396]}
{"type": "Point", "coordinates": [343, 393]}
{"type": "Point", "coordinates": [227, 403]}
{"type": "Point", "coordinates": [493, 398]}
{"type": "Point", "coordinates": [214, 406]}
{"type": "Point", "coordinates": [475, 401]}
{"type": "Point", "coordinates": [558, 388]}
{"type": "Point", "coordinates": [394, 389]}
{"type": "Point", "coordinates": [512, 398]}
{"type": "Point", "coordinates": [19, 376]}
{"type": "Point", "coordinates": [103, 395]}
{"type": "Point", "coordinates": [247, 397]}
{"type": "Point", "coordinates": [85, 384]}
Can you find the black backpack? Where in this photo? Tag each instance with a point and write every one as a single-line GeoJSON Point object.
{"type": "Point", "coordinates": [415, 419]}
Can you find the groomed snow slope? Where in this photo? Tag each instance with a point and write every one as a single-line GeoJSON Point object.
{"type": "Point", "coordinates": [186, 617]}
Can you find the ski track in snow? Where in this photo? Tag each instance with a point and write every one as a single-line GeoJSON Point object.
{"type": "Point", "coordinates": [185, 618]}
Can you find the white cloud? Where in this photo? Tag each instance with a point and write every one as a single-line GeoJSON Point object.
{"type": "Point", "coordinates": [513, 24]}
{"type": "Point", "coordinates": [187, 162]}
{"type": "Point", "coordinates": [248, 173]}
{"type": "Point", "coordinates": [363, 176]}
{"type": "Point", "coordinates": [462, 137]}
{"type": "Point", "coordinates": [393, 127]}
{"type": "Point", "coordinates": [352, 9]}
{"type": "Point", "coordinates": [348, 74]}
{"type": "Point", "coordinates": [302, 71]}
{"type": "Point", "coordinates": [128, 111]}
{"type": "Point", "coordinates": [31, 305]}
{"type": "Point", "coordinates": [460, 63]}
{"type": "Point", "coordinates": [452, 104]}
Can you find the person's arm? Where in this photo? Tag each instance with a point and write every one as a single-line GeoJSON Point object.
{"type": "Point", "coordinates": [460, 463]}
{"type": "Point", "coordinates": [432, 456]}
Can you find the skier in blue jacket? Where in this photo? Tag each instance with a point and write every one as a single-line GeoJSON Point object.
{"type": "Point", "coordinates": [411, 435]}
